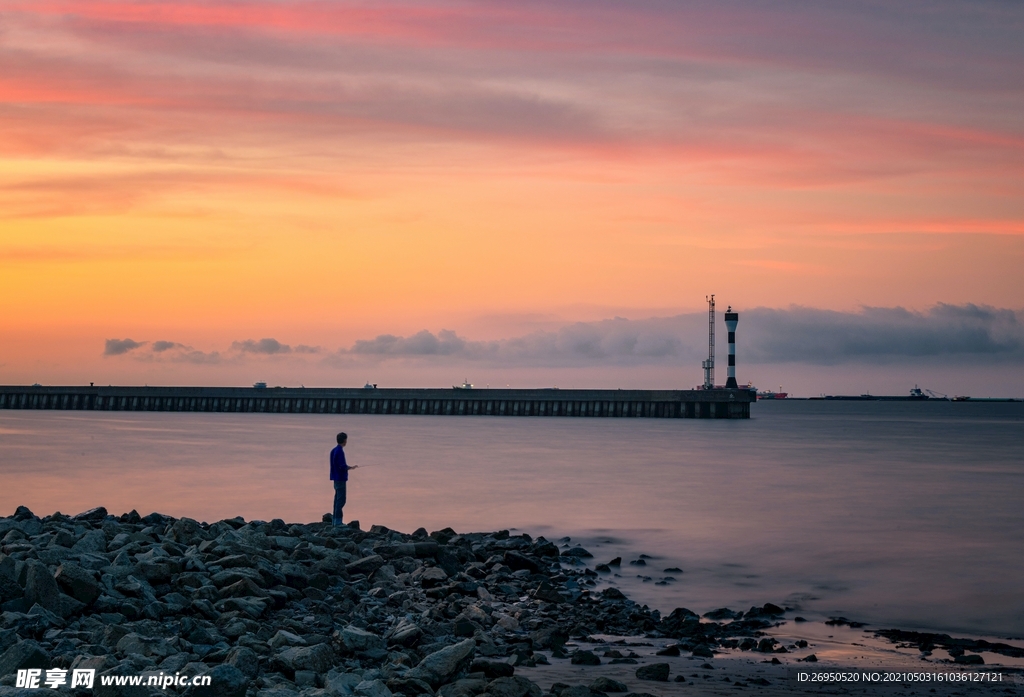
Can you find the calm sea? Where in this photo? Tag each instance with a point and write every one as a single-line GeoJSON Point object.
{"type": "Point", "coordinates": [898, 514]}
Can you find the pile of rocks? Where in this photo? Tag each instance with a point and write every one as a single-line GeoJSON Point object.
{"type": "Point", "coordinates": [273, 610]}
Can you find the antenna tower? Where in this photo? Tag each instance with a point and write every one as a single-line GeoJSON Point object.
{"type": "Point", "coordinates": [709, 364]}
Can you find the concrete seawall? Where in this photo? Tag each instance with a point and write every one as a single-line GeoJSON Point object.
{"type": "Point", "coordinates": [692, 404]}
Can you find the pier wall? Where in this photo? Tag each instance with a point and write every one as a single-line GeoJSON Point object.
{"type": "Point", "coordinates": [692, 404]}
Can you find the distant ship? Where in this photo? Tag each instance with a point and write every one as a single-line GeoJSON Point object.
{"type": "Point", "coordinates": [466, 385]}
{"type": "Point", "coordinates": [768, 394]}
{"type": "Point", "coordinates": [916, 395]}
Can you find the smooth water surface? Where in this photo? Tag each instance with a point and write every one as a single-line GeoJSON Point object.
{"type": "Point", "coordinates": [903, 514]}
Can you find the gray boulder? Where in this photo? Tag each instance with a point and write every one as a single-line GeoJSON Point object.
{"type": "Point", "coordinates": [654, 671]}
{"type": "Point", "coordinates": [187, 532]}
{"type": "Point", "coordinates": [24, 654]}
{"type": "Point", "coordinates": [514, 686]}
{"type": "Point", "coordinates": [355, 639]}
{"type": "Point", "coordinates": [465, 687]}
{"type": "Point", "coordinates": [92, 541]}
{"type": "Point", "coordinates": [492, 669]}
{"type": "Point", "coordinates": [225, 681]}
{"type": "Point", "coordinates": [366, 565]}
{"type": "Point", "coordinates": [285, 638]}
{"type": "Point", "coordinates": [441, 665]}
{"type": "Point", "coordinates": [41, 588]}
{"type": "Point", "coordinates": [604, 684]}
{"type": "Point", "coordinates": [316, 658]}
{"type": "Point", "coordinates": [420, 550]}
{"type": "Point", "coordinates": [338, 683]}
{"type": "Point", "coordinates": [434, 576]}
{"type": "Point", "coordinates": [144, 646]}
{"type": "Point", "coordinates": [576, 691]}
{"type": "Point", "coordinates": [245, 659]}
{"type": "Point", "coordinates": [406, 633]}
{"type": "Point", "coordinates": [585, 658]}
{"type": "Point", "coordinates": [9, 589]}
{"type": "Point", "coordinates": [93, 515]}
{"type": "Point", "coordinates": [372, 688]}
{"type": "Point", "coordinates": [78, 583]}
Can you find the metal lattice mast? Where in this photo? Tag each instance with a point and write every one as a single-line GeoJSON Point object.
{"type": "Point", "coordinates": [709, 364]}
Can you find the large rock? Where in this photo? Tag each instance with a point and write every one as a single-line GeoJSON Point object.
{"type": "Point", "coordinates": [372, 688]}
{"type": "Point", "coordinates": [654, 671]}
{"type": "Point", "coordinates": [578, 552]}
{"type": "Point", "coordinates": [492, 669]}
{"type": "Point", "coordinates": [245, 659]}
{"type": "Point", "coordinates": [24, 654]}
{"type": "Point", "coordinates": [145, 646]}
{"type": "Point", "coordinates": [548, 638]}
{"type": "Point", "coordinates": [355, 639]}
{"type": "Point", "coordinates": [9, 589]}
{"type": "Point", "coordinates": [577, 691]}
{"type": "Point", "coordinates": [464, 687]}
{"type": "Point", "coordinates": [366, 565]}
{"type": "Point", "coordinates": [187, 532]}
{"type": "Point", "coordinates": [514, 686]}
{"type": "Point", "coordinates": [78, 583]}
{"type": "Point", "coordinates": [40, 587]}
{"type": "Point", "coordinates": [604, 684]}
{"type": "Point", "coordinates": [441, 665]}
{"type": "Point", "coordinates": [407, 633]}
{"type": "Point", "coordinates": [432, 577]}
{"type": "Point", "coordinates": [315, 658]}
{"type": "Point", "coordinates": [232, 576]}
{"type": "Point", "coordinates": [92, 541]}
{"type": "Point", "coordinates": [338, 683]}
{"type": "Point", "coordinates": [225, 681]}
{"type": "Point", "coordinates": [93, 515]}
{"type": "Point", "coordinates": [245, 588]}
{"type": "Point", "coordinates": [585, 658]}
{"type": "Point", "coordinates": [285, 638]}
{"type": "Point", "coordinates": [519, 562]}
{"type": "Point", "coordinates": [421, 550]}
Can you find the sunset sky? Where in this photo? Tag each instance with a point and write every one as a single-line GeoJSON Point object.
{"type": "Point", "coordinates": [529, 193]}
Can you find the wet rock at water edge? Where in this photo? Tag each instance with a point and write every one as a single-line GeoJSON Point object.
{"type": "Point", "coordinates": [585, 658]}
{"type": "Point", "coordinates": [604, 684]}
{"type": "Point", "coordinates": [655, 671]}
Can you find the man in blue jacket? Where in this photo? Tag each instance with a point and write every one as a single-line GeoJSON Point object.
{"type": "Point", "coordinates": [339, 475]}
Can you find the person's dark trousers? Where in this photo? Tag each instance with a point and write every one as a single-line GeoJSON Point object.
{"type": "Point", "coordinates": [339, 500]}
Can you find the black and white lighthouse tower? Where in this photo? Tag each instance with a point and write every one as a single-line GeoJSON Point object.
{"type": "Point", "coordinates": [731, 318]}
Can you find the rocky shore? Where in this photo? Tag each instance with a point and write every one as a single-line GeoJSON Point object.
{"type": "Point", "coordinates": [270, 609]}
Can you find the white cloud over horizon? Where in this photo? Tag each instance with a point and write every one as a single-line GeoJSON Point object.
{"type": "Point", "coordinates": [949, 334]}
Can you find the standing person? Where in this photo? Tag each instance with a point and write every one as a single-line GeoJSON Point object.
{"type": "Point", "coordinates": [339, 475]}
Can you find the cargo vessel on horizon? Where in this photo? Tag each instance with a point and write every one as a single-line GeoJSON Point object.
{"type": "Point", "coordinates": [768, 394]}
{"type": "Point", "coordinates": [916, 395]}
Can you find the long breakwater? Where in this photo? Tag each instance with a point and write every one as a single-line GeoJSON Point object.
{"type": "Point", "coordinates": [692, 404]}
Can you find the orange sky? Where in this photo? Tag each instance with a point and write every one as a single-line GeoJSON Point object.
{"type": "Point", "coordinates": [324, 172]}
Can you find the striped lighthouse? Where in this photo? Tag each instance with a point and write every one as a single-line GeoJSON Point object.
{"type": "Point", "coordinates": [731, 318]}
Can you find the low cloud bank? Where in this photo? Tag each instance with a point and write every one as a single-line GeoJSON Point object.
{"type": "Point", "coordinates": [808, 335]}
{"type": "Point", "coordinates": [174, 351]}
{"type": "Point", "coordinates": [160, 350]}
{"type": "Point", "coordinates": [765, 335]}
{"type": "Point", "coordinates": [118, 347]}
{"type": "Point", "coordinates": [957, 334]}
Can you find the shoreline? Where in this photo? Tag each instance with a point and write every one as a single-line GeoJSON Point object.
{"type": "Point", "coordinates": [271, 609]}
